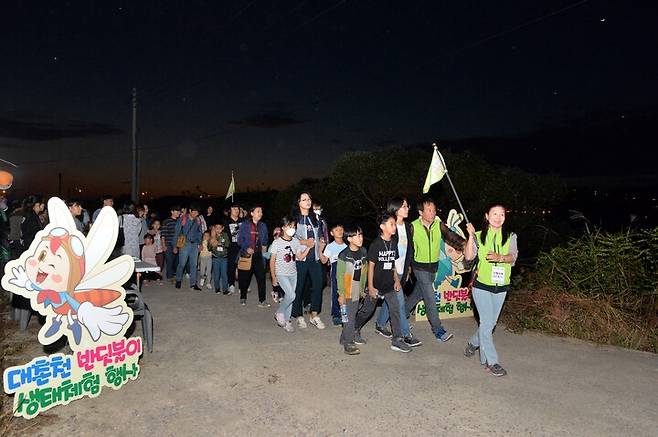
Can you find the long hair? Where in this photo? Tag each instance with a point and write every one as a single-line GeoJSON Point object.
{"type": "Point", "coordinates": [394, 204]}
{"type": "Point", "coordinates": [296, 211]}
{"type": "Point", "coordinates": [485, 226]}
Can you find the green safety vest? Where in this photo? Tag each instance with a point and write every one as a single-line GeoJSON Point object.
{"type": "Point", "coordinates": [426, 242]}
{"type": "Point", "coordinates": [485, 267]}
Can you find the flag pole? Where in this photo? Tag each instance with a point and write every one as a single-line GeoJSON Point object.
{"type": "Point", "coordinates": [436, 150]}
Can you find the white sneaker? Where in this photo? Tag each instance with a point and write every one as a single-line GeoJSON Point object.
{"type": "Point", "coordinates": [317, 322]}
{"type": "Point", "coordinates": [231, 289]}
{"type": "Point", "coordinates": [301, 323]}
{"type": "Point", "coordinates": [209, 286]}
{"type": "Point", "coordinates": [288, 327]}
{"type": "Point", "coordinates": [187, 275]}
{"type": "Point", "coordinates": [201, 281]}
{"type": "Point", "coordinates": [280, 320]}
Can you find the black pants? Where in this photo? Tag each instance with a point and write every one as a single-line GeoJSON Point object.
{"type": "Point", "coordinates": [233, 251]}
{"type": "Point", "coordinates": [313, 271]}
{"type": "Point", "coordinates": [358, 314]}
{"type": "Point", "coordinates": [258, 270]}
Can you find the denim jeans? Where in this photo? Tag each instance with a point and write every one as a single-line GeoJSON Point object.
{"type": "Point", "coordinates": [489, 305]}
{"type": "Point", "coordinates": [171, 262]}
{"type": "Point", "coordinates": [189, 254]}
{"type": "Point", "coordinates": [313, 270]}
{"type": "Point", "coordinates": [289, 284]}
{"type": "Point", "coordinates": [424, 290]}
{"type": "Point", "coordinates": [384, 314]}
{"type": "Point", "coordinates": [220, 273]}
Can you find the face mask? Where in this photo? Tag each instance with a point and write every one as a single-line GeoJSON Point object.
{"type": "Point", "coordinates": [290, 232]}
{"type": "Point", "coordinates": [317, 211]}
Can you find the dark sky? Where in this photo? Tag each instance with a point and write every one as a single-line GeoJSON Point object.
{"type": "Point", "coordinates": [276, 90]}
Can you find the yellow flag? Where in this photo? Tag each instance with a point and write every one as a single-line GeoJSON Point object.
{"type": "Point", "coordinates": [435, 172]}
{"type": "Point", "coordinates": [231, 188]}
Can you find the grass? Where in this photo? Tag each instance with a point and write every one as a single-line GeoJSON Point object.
{"type": "Point", "coordinates": [601, 287]}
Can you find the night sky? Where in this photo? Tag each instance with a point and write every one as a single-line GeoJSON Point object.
{"type": "Point", "coordinates": [277, 90]}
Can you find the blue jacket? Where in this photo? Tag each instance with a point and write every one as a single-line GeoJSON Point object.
{"type": "Point", "coordinates": [244, 235]}
{"type": "Point", "coordinates": [191, 229]}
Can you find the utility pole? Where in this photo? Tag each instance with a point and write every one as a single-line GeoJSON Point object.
{"type": "Point", "coordinates": [135, 173]}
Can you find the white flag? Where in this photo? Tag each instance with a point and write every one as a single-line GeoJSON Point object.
{"type": "Point", "coordinates": [231, 188]}
{"type": "Point", "coordinates": [435, 172]}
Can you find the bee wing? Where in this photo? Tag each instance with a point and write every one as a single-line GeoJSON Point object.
{"type": "Point", "coordinates": [109, 276]}
{"type": "Point", "coordinates": [59, 214]}
{"type": "Point", "coordinates": [101, 239]}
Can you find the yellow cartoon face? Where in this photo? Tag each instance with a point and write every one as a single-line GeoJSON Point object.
{"type": "Point", "coordinates": [48, 270]}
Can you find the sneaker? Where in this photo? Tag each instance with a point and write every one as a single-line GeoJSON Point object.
{"type": "Point", "coordinates": [201, 281]}
{"type": "Point", "coordinates": [383, 331]}
{"type": "Point", "coordinates": [288, 327]}
{"type": "Point", "coordinates": [399, 345]}
{"type": "Point", "coordinates": [351, 349]}
{"type": "Point", "coordinates": [301, 323]}
{"type": "Point", "coordinates": [497, 370]}
{"type": "Point", "coordinates": [218, 291]}
{"type": "Point", "coordinates": [248, 289]}
{"type": "Point", "coordinates": [227, 292]}
{"type": "Point", "coordinates": [470, 350]}
{"type": "Point", "coordinates": [264, 304]}
{"type": "Point", "coordinates": [231, 289]}
{"type": "Point", "coordinates": [280, 320]}
{"type": "Point", "coordinates": [195, 287]}
{"type": "Point", "coordinates": [243, 302]}
{"type": "Point", "coordinates": [337, 322]}
{"type": "Point", "coordinates": [412, 341]}
{"type": "Point", "coordinates": [209, 286]}
{"type": "Point", "coordinates": [358, 339]}
{"type": "Point", "coordinates": [177, 284]}
{"type": "Point", "coordinates": [442, 335]}
{"type": "Point", "coordinates": [317, 322]}
{"type": "Point", "coordinates": [187, 275]}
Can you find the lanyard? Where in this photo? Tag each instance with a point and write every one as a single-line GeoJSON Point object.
{"type": "Point", "coordinates": [496, 248]}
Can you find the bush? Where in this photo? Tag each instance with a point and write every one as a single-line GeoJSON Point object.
{"type": "Point", "coordinates": [602, 287]}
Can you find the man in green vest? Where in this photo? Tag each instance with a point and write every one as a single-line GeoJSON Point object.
{"type": "Point", "coordinates": [426, 232]}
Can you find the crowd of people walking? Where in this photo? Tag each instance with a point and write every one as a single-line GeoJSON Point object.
{"type": "Point", "coordinates": [303, 254]}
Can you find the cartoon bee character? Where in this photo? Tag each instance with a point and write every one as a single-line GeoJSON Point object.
{"type": "Point", "coordinates": [451, 253]}
{"type": "Point", "coordinates": [65, 276]}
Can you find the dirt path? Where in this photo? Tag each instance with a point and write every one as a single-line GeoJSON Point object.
{"type": "Point", "coordinates": [222, 369]}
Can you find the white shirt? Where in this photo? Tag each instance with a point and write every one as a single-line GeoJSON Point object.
{"type": "Point", "coordinates": [402, 249]}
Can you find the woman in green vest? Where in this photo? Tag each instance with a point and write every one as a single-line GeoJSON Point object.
{"type": "Point", "coordinates": [497, 252]}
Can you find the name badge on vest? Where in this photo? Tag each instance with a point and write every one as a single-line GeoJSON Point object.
{"type": "Point", "coordinates": [498, 275]}
{"type": "Point", "coordinates": [388, 265]}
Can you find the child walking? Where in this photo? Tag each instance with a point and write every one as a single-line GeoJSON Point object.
{"type": "Point", "coordinates": [219, 245]}
{"type": "Point", "coordinates": [330, 255]}
{"type": "Point", "coordinates": [285, 251]}
{"type": "Point", "coordinates": [205, 261]}
{"type": "Point", "coordinates": [352, 274]}
{"type": "Point", "coordinates": [383, 279]}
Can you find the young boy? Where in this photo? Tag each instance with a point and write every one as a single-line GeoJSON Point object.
{"type": "Point", "coordinates": [383, 278]}
{"type": "Point", "coordinates": [330, 255]}
{"type": "Point", "coordinates": [351, 274]}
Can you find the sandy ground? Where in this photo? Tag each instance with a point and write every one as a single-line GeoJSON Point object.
{"type": "Point", "coordinates": [221, 369]}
